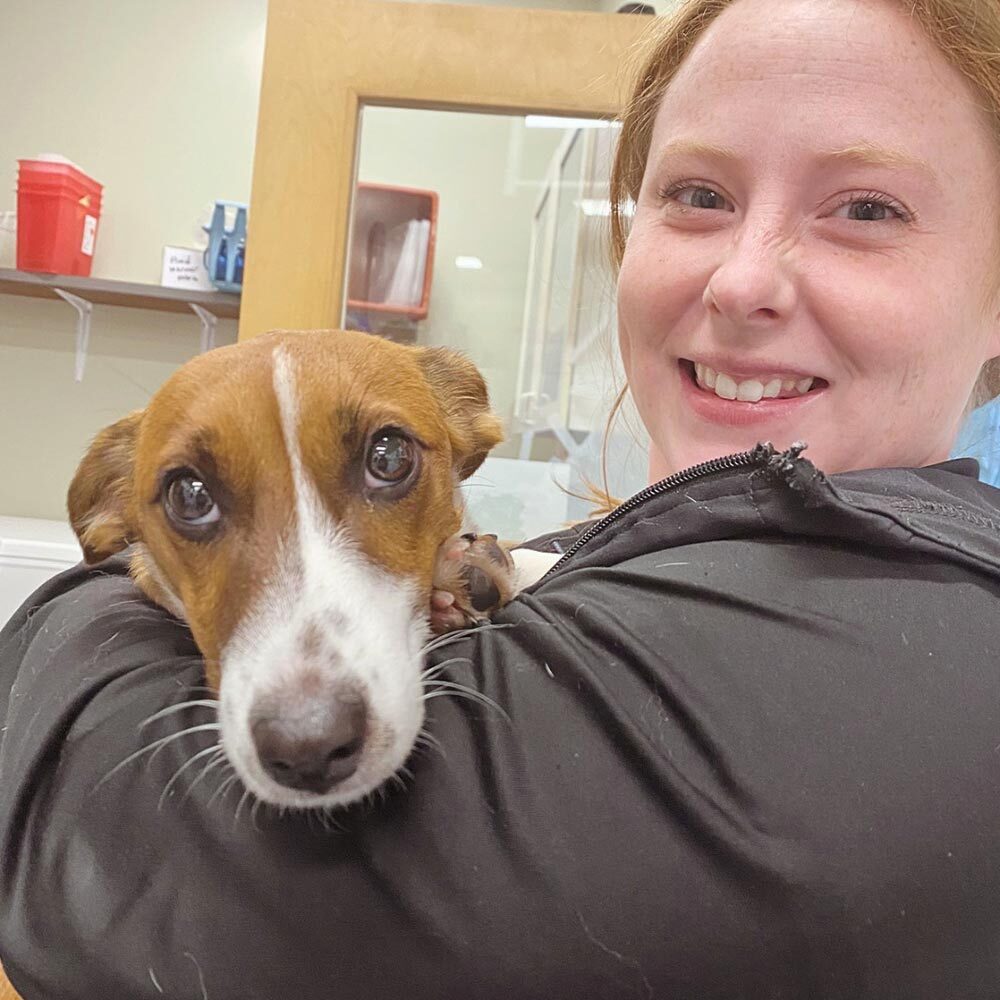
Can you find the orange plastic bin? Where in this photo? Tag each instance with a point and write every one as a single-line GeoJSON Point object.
{"type": "Point", "coordinates": [58, 209]}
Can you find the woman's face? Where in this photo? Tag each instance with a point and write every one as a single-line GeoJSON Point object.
{"type": "Point", "coordinates": [816, 237]}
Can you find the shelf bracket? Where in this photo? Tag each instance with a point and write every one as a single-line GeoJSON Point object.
{"type": "Point", "coordinates": [208, 323]}
{"type": "Point", "coordinates": [84, 313]}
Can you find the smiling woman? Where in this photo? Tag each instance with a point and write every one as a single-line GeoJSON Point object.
{"type": "Point", "coordinates": [813, 254]}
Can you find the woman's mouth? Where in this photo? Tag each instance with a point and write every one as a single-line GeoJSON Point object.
{"type": "Point", "coordinates": [749, 399]}
{"type": "Point", "coordinates": [753, 389]}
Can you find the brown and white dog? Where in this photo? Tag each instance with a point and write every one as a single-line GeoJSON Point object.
{"type": "Point", "coordinates": [294, 499]}
{"type": "Point", "coordinates": [290, 498]}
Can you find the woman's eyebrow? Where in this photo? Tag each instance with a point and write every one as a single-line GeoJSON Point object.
{"type": "Point", "coordinates": [869, 154]}
{"type": "Point", "coordinates": [694, 148]}
{"type": "Point", "coordinates": [862, 154]}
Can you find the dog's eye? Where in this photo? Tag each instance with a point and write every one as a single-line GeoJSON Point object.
{"type": "Point", "coordinates": [391, 458]}
{"type": "Point", "coordinates": [189, 502]}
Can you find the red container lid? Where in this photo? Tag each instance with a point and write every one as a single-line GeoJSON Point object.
{"type": "Point", "coordinates": [55, 174]}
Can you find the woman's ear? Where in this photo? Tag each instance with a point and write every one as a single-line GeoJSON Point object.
{"type": "Point", "coordinates": [472, 426]}
{"type": "Point", "coordinates": [100, 496]}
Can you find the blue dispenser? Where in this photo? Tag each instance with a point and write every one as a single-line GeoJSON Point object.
{"type": "Point", "coordinates": [224, 255]}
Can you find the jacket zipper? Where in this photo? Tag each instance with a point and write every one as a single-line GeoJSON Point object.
{"type": "Point", "coordinates": [760, 454]}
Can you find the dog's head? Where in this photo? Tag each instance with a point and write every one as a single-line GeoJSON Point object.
{"type": "Point", "coordinates": [287, 497]}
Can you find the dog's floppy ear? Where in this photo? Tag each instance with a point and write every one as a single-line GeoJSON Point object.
{"type": "Point", "coordinates": [473, 427]}
{"type": "Point", "coordinates": [101, 492]}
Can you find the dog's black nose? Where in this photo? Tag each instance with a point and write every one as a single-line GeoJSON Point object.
{"type": "Point", "coordinates": [312, 755]}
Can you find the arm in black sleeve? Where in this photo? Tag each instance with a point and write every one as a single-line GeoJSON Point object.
{"type": "Point", "coordinates": [727, 763]}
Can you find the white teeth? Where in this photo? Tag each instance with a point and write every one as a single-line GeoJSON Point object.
{"type": "Point", "coordinates": [705, 375]}
{"type": "Point", "coordinates": [749, 390]}
{"type": "Point", "coordinates": [725, 386]}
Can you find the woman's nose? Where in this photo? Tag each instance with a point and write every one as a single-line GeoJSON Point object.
{"type": "Point", "coordinates": [753, 287]}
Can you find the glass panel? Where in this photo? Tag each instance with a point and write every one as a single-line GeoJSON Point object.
{"type": "Point", "coordinates": [558, 315]}
{"type": "Point", "coordinates": [488, 234]}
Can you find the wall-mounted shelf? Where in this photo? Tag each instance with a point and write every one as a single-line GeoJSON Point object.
{"type": "Point", "coordinates": [84, 293]}
{"type": "Point", "coordinates": [118, 293]}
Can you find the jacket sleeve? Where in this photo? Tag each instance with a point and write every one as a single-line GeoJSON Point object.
{"type": "Point", "coordinates": [751, 766]}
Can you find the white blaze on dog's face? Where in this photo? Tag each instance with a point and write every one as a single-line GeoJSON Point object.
{"type": "Point", "coordinates": [288, 497]}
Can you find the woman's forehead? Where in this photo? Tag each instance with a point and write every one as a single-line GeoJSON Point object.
{"type": "Point", "coordinates": [849, 73]}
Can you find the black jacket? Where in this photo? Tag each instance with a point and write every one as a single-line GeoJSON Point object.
{"type": "Point", "coordinates": [750, 748]}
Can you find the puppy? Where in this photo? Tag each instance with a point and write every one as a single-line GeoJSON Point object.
{"type": "Point", "coordinates": [290, 498]}
{"type": "Point", "coordinates": [294, 499]}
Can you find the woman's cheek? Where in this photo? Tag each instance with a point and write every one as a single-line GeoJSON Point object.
{"type": "Point", "coordinates": [656, 288]}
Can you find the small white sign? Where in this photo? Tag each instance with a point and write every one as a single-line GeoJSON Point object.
{"type": "Point", "coordinates": [89, 232]}
{"type": "Point", "coordinates": [184, 267]}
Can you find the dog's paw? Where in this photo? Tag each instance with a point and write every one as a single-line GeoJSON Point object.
{"type": "Point", "coordinates": [474, 575]}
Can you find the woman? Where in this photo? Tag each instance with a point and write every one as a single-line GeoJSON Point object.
{"type": "Point", "coordinates": [750, 730]}
{"type": "Point", "coordinates": [809, 206]}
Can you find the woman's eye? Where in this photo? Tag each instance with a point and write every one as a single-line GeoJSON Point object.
{"type": "Point", "coordinates": [698, 196]}
{"type": "Point", "coordinates": [188, 501]}
{"type": "Point", "coordinates": [871, 209]}
{"type": "Point", "coordinates": [391, 458]}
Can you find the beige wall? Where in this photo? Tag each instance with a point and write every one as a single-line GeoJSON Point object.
{"type": "Point", "coordinates": [158, 102]}
{"type": "Point", "coordinates": [47, 419]}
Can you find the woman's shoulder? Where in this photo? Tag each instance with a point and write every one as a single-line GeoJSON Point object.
{"type": "Point", "coordinates": [942, 511]}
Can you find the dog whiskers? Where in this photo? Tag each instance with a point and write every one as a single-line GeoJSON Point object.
{"type": "Point", "coordinates": [215, 748]}
{"type": "Point", "coordinates": [155, 747]}
{"type": "Point", "coordinates": [223, 788]}
{"type": "Point", "coordinates": [215, 762]}
{"type": "Point", "coordinates": [328, 820]}
{"type": "Point", "coordinates": [431, 672]}
{"type": "Point", "coordinates": [312, 816]}
{"type": "Point", "coordinates": [239, 805]}
{"type": "Point", "coordinates": [398, 781]}
{"type": "Point", "coordinates": [443, 640]}
{"type": "Point", "coordinates": [254, 809]}
{"type": "Point", "coordinates": [201, 702]}
{"type": "Point", "coordinates": [424, 740]}
{"type": "Point", "coordinates": [380, 796]}
{"type": "Point", "coordinates": [441, 689]}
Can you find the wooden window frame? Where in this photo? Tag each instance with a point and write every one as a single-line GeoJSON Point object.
{"type": "Point", "coordinates": [325, 59]}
